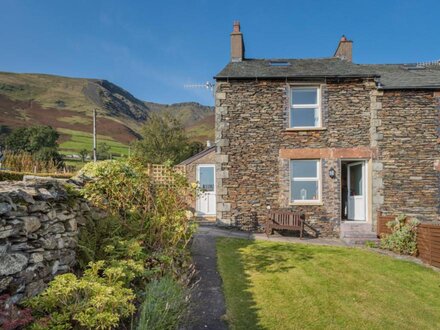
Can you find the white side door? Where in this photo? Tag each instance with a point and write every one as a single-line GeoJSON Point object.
{"type": "Point", "coordinates": [356, 191]}
{"type": "Point", "coordinates": [206, 201]}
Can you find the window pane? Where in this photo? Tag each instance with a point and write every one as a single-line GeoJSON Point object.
{"type": "Point", "coordinates": [305, 96]}
{"type": "Point", "coordinates": [207, 178]}
{"type": "Point", "coordinates": [300, 117]}
{"type": "Point", "coordinates": [305, 190]}
{"type": "Point", "coordinates": [304, 168]}
{"type": "Point", "coordinates": [356, 180]}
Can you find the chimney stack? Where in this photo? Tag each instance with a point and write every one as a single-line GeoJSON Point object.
{"type": "Point", "coordinates": [237, 44]}
{"type": "Point", "coordinates": [345, 49]}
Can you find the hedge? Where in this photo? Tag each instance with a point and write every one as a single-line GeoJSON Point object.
{"type": "Point", "coordinates": [18, 176]}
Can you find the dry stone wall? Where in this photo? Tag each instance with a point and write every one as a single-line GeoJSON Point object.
{"type": "Point", "coordinates": [38, 234]}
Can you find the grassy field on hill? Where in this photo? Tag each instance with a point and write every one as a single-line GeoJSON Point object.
{"type": "Point", "coordinates": [78, 140]}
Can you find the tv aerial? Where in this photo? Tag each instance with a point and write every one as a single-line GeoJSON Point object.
{"type": "Point", "coordinates": [208, 85]}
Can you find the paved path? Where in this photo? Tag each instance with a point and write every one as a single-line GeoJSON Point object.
{"type": "Point", "coordinates": [211, 230]}
{"type": "Point", "coordinates": [208, 302]}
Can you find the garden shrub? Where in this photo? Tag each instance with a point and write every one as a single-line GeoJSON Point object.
{"type": "Point", "coordinates": [97, 300]}
{"type": "Point", "coordinates": [93, 238]}
{"type": "Point", "coordinates": [143, 239]}
{"type": "Point", "coordinates": [403, 237]}
{"type": "Point", "coordinates": [164, 305]}
{"type": "Point", "coordinates": [152, 212]}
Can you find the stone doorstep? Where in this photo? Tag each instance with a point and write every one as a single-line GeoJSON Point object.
{"type": "Point", "coordinates": [357, 233]}
{"type": "Point", "coordinates": [351, 225]}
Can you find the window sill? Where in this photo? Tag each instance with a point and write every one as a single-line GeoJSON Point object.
{"type": "Point", "coordinates": [301, 129]}
{"type": "Point", "coordinates": [306, 203]}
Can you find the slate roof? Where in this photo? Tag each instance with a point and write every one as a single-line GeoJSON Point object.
{"type": "Point", "coordinates": [390, 76]}
{"type": "Point", "coordinates": [199, 155]}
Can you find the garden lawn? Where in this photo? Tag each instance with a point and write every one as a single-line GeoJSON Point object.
{"type": "Point", "coordinates": [296, 286]}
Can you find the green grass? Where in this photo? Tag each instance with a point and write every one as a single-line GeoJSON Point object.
{"type": "Point", "coordinates": [82, 140]}
{"type": "Point", "coordinates": [296, 286]}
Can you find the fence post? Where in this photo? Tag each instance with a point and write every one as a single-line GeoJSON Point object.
{"type": "Point", "coordinates": [430, 245]}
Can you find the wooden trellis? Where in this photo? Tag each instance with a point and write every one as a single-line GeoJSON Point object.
{"type": "Point", "coordinates": [164, 174]}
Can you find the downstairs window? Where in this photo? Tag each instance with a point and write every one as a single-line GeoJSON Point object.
{"type": "Point", "coordinates": [305, 180]}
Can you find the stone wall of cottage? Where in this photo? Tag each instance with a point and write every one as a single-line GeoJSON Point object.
{"type": "Point", "coordinates": [410, 124]}
{"type": "Point", "coordinates": [251, 122]}
{"type": "Point", "coordinates": [38, 234]}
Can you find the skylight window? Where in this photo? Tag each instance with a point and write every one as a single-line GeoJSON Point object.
{"type": "Point", "coordinates": [279, 63]}
{"type": "Point", "coordinates": [415, 66]}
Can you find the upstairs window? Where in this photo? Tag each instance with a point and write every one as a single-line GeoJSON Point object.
{"type": "Point", "coordinates": [305, 109]}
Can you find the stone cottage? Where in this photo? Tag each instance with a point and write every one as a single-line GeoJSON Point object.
{"type": "Point", "coordinates": [338, 141]}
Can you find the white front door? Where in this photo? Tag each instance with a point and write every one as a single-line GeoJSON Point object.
{"type": "Point", "coordinates": [356, 191]}
{"type": "Point", "coordinates": [205, 204]}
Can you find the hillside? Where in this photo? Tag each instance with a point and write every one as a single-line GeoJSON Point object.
{"type": "Point", "coordinates": [67, 104]}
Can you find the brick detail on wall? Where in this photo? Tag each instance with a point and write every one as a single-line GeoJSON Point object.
{"type": "Point", "coordinates": [351, 153]}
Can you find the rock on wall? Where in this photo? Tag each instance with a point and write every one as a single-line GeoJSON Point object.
{"type": "Point", "coordinates": [38, 234]}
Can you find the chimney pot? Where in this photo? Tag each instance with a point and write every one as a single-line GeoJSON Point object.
{"type": "Point", "coordinates": [345, 49]}
{"type": "Point", "coordinates": [236, 27]}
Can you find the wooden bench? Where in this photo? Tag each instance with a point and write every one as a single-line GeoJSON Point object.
{"type": "Point", "coordinates": [286, 220]}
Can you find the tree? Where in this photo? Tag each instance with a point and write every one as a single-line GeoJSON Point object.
{"type": "Point", "coordinates": [163, 140]}
{"type": "Point", "coordinates": [39, 141]}
{"type": "Point", "coordinates": [103, 151]}
{"type": "Point", "coordinates": [83, 153]}
{"type": "Point", "coordinates": [31, 139]}
{"type": "Point", "coordinates": [194, 148]}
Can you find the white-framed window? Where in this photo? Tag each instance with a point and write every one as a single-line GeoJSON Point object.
{"type": "Point", "coordinates": [305, 181]}
{"type": "Point", "coordinates": [305, 107]}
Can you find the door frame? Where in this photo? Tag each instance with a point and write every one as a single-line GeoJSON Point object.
{"type": "Point", "coordinates": [367, 173]}
{"type": "Point", "coordinates": [214, 192]}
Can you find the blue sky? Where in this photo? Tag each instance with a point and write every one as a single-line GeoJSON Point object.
{"type": "Point", "coordinates": [153, 48]}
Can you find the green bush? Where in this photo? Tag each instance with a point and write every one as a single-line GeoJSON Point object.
{"type": "Point", "coordinates": [98, 300]}
{"type": "Point", "coordinates": [93, 238]}
{"type": "Point", "coordinates": [164, 305]}
{"type": "Point", "coordinates": [403, 237]}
